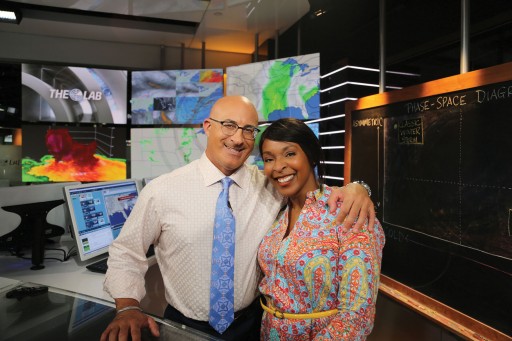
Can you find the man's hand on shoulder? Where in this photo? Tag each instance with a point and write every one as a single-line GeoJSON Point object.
{"type": "Point", "coordinates": [356, 206]}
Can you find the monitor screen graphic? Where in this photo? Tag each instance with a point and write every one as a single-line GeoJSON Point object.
{"type": "Point", "coordinates": [54, 93]}
{"type": "Point", "coordinates": [174, 96]}
{"type": "Point", "coordinates": [98, 211]}
{"type": "Point", "coordinates": [287, 87]}
{"type": "Point", "coordinates": [58, 153]}
{"type": "Point", "coordinates": [86, 315]}
{"type": "Point", "coordinates": [155, 151]}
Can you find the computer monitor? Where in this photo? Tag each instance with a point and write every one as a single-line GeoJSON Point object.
{"type": "Point", "coordinates": [30, 216]}
{"type": "Point", "coordinates": [98, 212]}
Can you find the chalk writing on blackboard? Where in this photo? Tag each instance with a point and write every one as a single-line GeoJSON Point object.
{"type": "Point", "coordinates": [410, 131]}
{"type": "Point", "coordinates": [368, 122]}
{"type": "Point", "coordinates": [396, 234]}
{"type": "Point", "coordinates": [494, 94]}
{"type": "Point", "coordinates": [435, 103]}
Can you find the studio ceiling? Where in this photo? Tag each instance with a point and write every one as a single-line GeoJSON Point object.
{"type": "Point", "coordinates": [223, 25]}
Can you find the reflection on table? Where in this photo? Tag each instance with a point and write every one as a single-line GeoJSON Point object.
{"type": "Point", "coordinates": [60, 315]}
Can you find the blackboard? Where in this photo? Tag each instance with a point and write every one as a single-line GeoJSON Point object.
{"type": "Point", "coordinates": [438, 157]}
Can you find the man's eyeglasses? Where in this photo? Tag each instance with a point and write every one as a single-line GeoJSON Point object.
{"type": "Point", "coordinates": [230, 128]}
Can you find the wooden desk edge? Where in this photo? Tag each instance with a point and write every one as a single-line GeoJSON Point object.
{"type": "Point", "coordinates": [451, 319]}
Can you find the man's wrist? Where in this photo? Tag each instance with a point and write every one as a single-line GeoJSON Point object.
{"type": "Point", "coordinates": [365, 185]}
{"type": "Point", "coordinates": [130, 307]}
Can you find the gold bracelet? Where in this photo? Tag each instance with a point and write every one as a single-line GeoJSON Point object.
{"type": "Point", "coordinates": [130, 307]}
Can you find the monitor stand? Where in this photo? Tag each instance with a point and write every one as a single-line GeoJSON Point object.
{"type": "Point", "coordinates": [33, 229]}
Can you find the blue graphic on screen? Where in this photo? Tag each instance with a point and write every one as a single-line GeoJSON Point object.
{"type": "Point", "coordinates": [102, 209]}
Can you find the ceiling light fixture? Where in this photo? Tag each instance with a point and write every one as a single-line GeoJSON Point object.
{"type": "Point", "coordinates": [318, 8]}
{"type": "Point", "coordinates": [319, 12]}
{"type": "Point", "coordinates": [11, 16]}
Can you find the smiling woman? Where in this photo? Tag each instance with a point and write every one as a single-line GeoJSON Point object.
{"type": "Point", "coordinates": [330, 277]}
{"type": "Point", "coordinates": [297, 132]}
{"type": "Point", "coordinates": [290, 152]}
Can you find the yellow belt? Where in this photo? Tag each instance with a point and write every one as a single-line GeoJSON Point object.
{"type": "Point", "coordinates": [278, 314]}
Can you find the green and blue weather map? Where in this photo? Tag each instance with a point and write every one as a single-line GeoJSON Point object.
{"type": "Point", "coordinates": [287, 87]}
{"type": "Point", "coordinates": [155, 151]}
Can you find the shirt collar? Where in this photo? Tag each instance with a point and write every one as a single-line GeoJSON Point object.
{"type": "Point", "coordinates": [211, 174]}
{"type": "Point", "coordinates": [317, 195]}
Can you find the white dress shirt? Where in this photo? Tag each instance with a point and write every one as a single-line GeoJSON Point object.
{"type": "Point", "coordinates": [176, 212]}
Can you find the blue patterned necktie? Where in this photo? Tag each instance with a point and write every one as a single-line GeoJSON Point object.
{"type": "Point", "coordinates": [222, 286]}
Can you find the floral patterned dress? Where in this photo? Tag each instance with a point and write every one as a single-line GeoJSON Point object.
{"type": "Point", "coordinates": [318, 267]}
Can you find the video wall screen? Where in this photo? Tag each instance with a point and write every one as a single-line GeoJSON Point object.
{"type": "Point", "coordinates": [10, 161]}
{"type": "Point", "coordinates": [76, 119]}
{"type": "Point", "coordinates": [287, 87]}
{"type": "Point", "coordinates": [174, 96]}
{"type": "Point", "coordinates": [155, 151]}
{"type": "Point", "coordinates": [61, 153]}
{"type": "Point", "coordinates": [54, 93]}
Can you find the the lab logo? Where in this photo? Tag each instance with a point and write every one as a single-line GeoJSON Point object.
{"type": "Point", "coordinates": [76, 95]}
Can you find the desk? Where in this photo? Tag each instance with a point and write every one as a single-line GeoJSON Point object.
{"type": "Point", "coordinates": [72, 276]}
{"type": "Point", "coordinates": [62, 315]}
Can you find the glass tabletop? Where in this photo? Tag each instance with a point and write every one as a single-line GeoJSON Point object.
{"type": "Point", "coordinates": [59, 315]}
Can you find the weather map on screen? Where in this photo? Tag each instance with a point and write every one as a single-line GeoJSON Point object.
{"type": "Point", "coordinates": [175, 96]}
{"type": "Point", "coordinates": [119, 213]}
{"type": "Point", "coordinates": [287, 87]}
{"type": "Point", "coordinates": [61, 153]}
{"type": "Point", "coordinates": [155, 151]}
